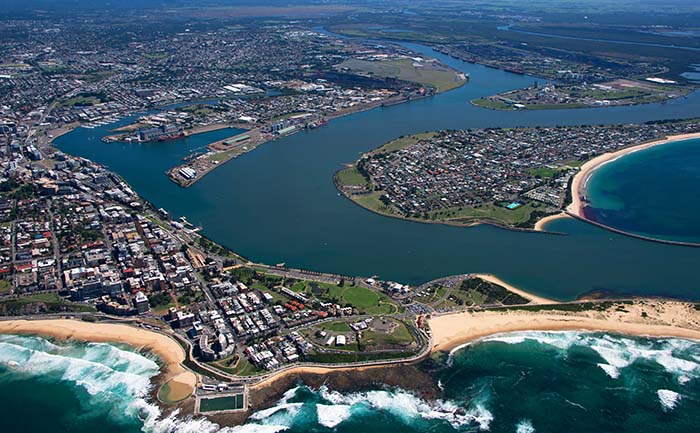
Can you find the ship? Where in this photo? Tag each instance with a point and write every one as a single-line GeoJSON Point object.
{"type": "Point", "coordinates": [169, 137]}
{"type": "Point", "coordinates": [320, 123]}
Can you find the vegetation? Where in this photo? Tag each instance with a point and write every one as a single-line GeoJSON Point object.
{"type": "Point", "coordinates": [475, 292]}
{"type": "Point", "coordinates": [440, 78]}
{"type": "Point", "coordinates": [85, 99]}
{"type": "Point", "coordinates": [40, 303]}
{"type": "Point", "coordinates": [543, 172]}
{"type": "Point", "coordinates": [403, 142]}
{"type": "Point", "coordinates": [366, 301]}
{"type": "Point", "coordinates": [5, 286]}
{"type": "Point", "coordinates": [492, 104]}
{"type": "Point", "coordinates": [350, 176]}
{"type": "Point", "coordinates": [341, 358]}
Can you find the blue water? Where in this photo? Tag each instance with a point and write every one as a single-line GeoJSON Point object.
{"type": "Point", "coordinates": [524, 382]}
{"type": "Point", "coordinates": [278, 203]}
{"type": "Point", "coordinates": [652, 192]}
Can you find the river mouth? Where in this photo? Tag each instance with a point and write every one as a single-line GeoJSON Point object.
{"type": "Point", "coordinates": [279, 204]}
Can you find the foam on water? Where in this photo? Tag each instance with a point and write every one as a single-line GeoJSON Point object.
{"type": "Point", "coordinates": [668, 399]}
{"type": "Point", "coordinates": [120, 379]}
{"type": "Point", "coordinates": [560, 339]}
{"type": "Point", "coordinates": [284, 411]}
{"type": "Point", "coordinates": [408, 407]}
{"type": "Point", "coordinates": [254, 428]}
{"type": "Point", "coordinates": [332, 415]}
{"type": "Point", "coordinates": [677, 356]}
{"type": "Point", "coordinates": [524, 426]}
{"type": "Point", "coordinates": [113, 377]}
{"type": "Point", "coordinates": [610, 370]}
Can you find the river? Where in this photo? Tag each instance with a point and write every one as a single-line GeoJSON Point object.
{"type": "Point", "coordinates": [278, 203]}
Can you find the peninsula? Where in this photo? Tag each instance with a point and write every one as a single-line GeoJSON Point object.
{"type": "Point", "coordinates": [511, 177]}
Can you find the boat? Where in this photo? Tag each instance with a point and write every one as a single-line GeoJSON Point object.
{"type": "Point", "coordinates": [170, 137]}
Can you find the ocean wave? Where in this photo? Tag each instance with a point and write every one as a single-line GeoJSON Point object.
{"type": "Point", "coordinates": [610, 370]}
{"type": "Point", "coordinates": [677, 356]}
{"type": "Point", "coordinates": [290, 409]}
{"type": "Point", "coordinates": [408, 407]}
{"type": "Point", "coordinates": [559, 339]}
{"type": "Point", "coordinates": [254, 428]}
{"type": "Point", "coordinates": [524, 426]}
{"type": "Point", "coordinates": [668, 399]}
{"type": "Point", "coordinates": [116, 380]}
{"type": "Point", "coordinates": [332, 415]}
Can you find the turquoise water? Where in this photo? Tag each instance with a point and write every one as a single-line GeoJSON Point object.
{"type": "Point", "coordinates": [278, 203]}
{"type": "Point", "coordinates": [524, 382]}
{"type": "Point", "coordinates": [652, 192]}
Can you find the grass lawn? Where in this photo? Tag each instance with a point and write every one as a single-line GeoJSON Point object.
{"type": "Point", "coordinates": [403, 142]}
{"type": "Point", "coordinates": [490, 103]}
{"type": "Point", "coordinates": [53, 302]}
{"type": "Point", "coordinates": [228, 364]}
{"type": "Point", "coordinates": [399, 336]}
{"type": "Point", "coordinates": [554, 106]}
{"type": "Point", "coordinates": [441, 78]}
{"type": "Point", "coordinates": [574, 163]}
{"type": "Point", "coordinates": [433, 294]}
{"type": "Point", "coordinates": [543, 172]}
{"type": "Point", "coordinates": [339, 326]}
{"type": "Point", "coordinates": [486, 212]}
{"type": "Point", "coordinates": [371, 201]}
{"type": "Point", "coordinates": [361, 297]}
{"type": "Point", "coordinates": [5, 286]}
{"type": "Point", "coordinates": [351, 177]}
{"type": "Point", "coordinates": [242, 368]}
{"type": "Point", "coordinates": [365, 300]}
{"type": "Point", "coordinates": [82, 100]}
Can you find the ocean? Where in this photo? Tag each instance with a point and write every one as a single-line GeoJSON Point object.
{"type": "Point", "coordinates": [651, 192]}
{"type": "Point", "coordinates": [520, 382]}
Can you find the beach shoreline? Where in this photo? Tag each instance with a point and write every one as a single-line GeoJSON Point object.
{"type": "Point", "coordinates": [166, 348]}
{"type": "Point", "coordinates": [580, 180]}
{"type": "Point", "coordinates": [539, 225]}
{"type": "Point", "coordinates": [662, 320]}
{"type": "Point", "coordinates": [534, 299]}
{"type": "Point", "coordinates": [448, 332]}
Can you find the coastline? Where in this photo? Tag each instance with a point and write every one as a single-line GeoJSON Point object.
{"type": "Point", "coordinates": [539, 225]}
{"type": "Point", "coordinates": [534, 299]}
{"type": "Point", "coordinates": [173, 173]}
{"type": "Point", "coordinates": [169, 351]}
{"type": "Point", "coordinates": [472, 223]}
{"type": "Point", "coordinates": [663, 319]}
{"type": "Point", "coordinates": [580, 180]}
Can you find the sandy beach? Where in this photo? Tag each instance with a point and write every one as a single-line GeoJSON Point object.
{"type": "Point", "coordinates": [534, 299]}
{"type": "Point", "coordinates": [663, 319]}
{"type": "Point", "coordinates": [581, 178]}
{"type": "Point", "coordinates": [167, 349]}
{"type": "Point", "coordinates": [539, 225]}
